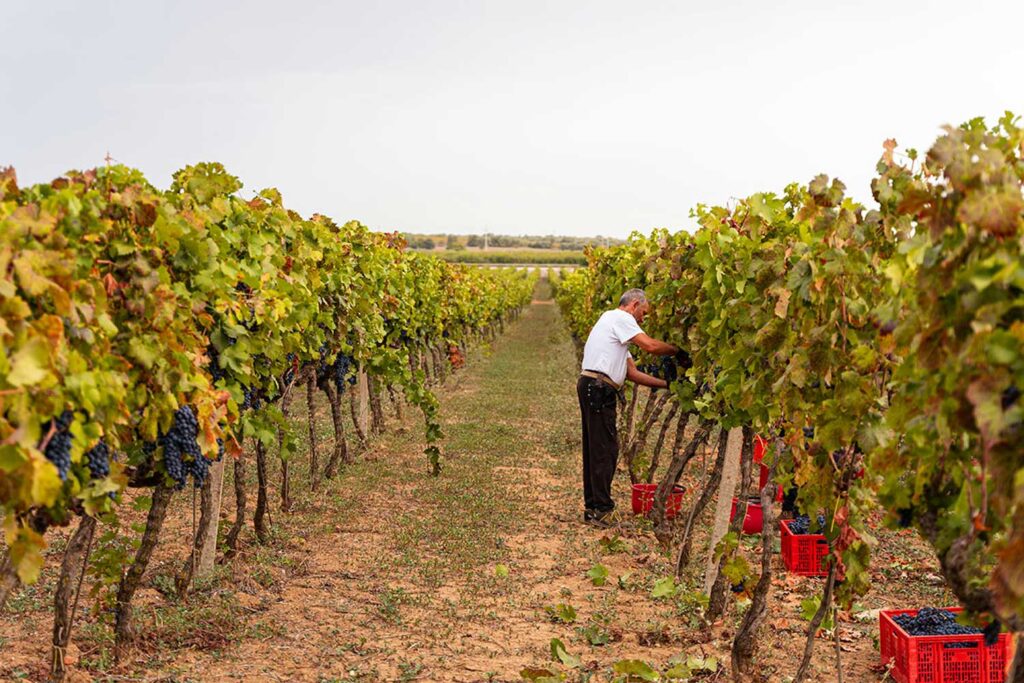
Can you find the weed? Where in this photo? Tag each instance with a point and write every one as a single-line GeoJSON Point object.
{"type": "Point", "coordinates": [409, 671]}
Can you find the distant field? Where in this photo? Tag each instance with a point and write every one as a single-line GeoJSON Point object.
{"type": "Point", "coordinates": [539, 256]}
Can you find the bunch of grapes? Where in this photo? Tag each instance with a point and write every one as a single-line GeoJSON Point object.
{"type": "Point", "coordinates": [666, 368]}
{"type": "Point", "coordinates": [97, 459]}
{"type": "Point", "coordinates": [341, 368]}
{"type": "Point", "coordinates": [1010, 396]}
{"type": "Point", "coordinates": [58, 449]}
{"type": "Point", "coordinates": [289, 374]}
{"type": "Point", "coordinates": [930, 621]}
{"type": "Point", "coordinates": [216, 372]}
{"type": "Point", "coordinates": [801, 525]}
{"type": "Point", "coordinates": [251, 399]}
{"type": "Point", "coordinates": [180, 444]}
{"type": "Point", "coordinates": [323, 370]}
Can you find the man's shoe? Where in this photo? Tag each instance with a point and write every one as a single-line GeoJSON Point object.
{"type": "Point", "coordinates": [610, 519]}
{"type": "Point", "coordinates": [600, 520]}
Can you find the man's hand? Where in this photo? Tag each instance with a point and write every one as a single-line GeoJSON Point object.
{"type": "Point", "coordinates": [653, 346]}
{"type": "Point", "coordinates": [642, 378]}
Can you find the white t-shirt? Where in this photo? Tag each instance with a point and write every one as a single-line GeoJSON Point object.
{"type": "Point", "coordinates": [608, 344]}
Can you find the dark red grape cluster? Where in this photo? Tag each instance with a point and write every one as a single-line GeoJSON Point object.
{"type": "Point", "coordinates": [58, 448]}
{"type": "Point", "coordinates": [97, 459]}
{"type": "Point", "coordinates": [801, 525]}
{"type": "Point", "coordinates": [931, 621]}
{"type": "Point", "coordinates": [182, 455]}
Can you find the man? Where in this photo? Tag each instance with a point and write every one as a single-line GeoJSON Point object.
{"type": "Point", "coordinates": [607, 363]}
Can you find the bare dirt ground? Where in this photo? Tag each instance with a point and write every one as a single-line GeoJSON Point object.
{"type": "Point", "coordinates": [389, 574]}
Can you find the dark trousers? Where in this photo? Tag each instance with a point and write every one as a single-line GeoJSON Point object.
{"type": "Point", "coordinates": [600, 442]}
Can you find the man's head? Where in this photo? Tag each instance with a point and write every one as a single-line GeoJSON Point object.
{"type": "Point", "coordinates": [634, 302]}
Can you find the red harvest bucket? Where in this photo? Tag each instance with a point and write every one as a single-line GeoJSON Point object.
{"type": "Point", "coordinates": [754, 520]}
{"type": "Point", "coordinates": [803, 554]}
{"type": "Point", "coordinates": [940, 659]}
{"type": "Point", "coordinates": [643, 499]}
{"type": "Point", "coordinates": [760, 450]}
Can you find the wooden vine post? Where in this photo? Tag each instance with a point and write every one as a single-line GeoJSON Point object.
{"type": "Point", "coordinates": [208, 547]}
{"type": "Point", "coordinates": [723, 506]}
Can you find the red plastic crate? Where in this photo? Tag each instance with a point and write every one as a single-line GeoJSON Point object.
{"type": "Point", "coordinates": [931, 659]}
{"type": "Point", "coordinates": [803, 554]}
{"type": "Point", "coordinates": [643, 499]}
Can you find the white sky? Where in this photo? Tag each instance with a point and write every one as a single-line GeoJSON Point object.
{"type": "Point", "coordinates": [567, 117]}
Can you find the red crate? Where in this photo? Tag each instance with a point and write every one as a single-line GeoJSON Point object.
{"type": "Point", "coordinates": [941, 659]}
{"type": "Point", "coordinates": [643, 499]}
{"type": "Point", "coordinates": [803, 554]}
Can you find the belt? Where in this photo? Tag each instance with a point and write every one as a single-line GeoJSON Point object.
{"type": "Point", "coordinates": [593, 374]}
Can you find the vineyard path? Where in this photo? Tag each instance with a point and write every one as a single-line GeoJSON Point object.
{"type": "Point", "coordinates": [406, 580]}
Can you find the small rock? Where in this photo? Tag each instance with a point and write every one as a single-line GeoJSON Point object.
{"type": "Point", "coordinates": [867, 615]}
{"type": "Point", "coordinates": [72, 655]}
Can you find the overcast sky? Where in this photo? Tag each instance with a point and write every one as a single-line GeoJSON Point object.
{"type": "Point", "coordinates": [569, 117]}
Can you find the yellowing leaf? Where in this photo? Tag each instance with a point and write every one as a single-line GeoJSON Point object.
{"type": "Point", "coordinates": [46, 482]}
{"type": "Point", "coordinates": [782, 305]}
{"type": "Point", "coordinates": [29, 364]}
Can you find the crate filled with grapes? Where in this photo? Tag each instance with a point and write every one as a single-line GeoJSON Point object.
{"type": "Point", "coordinates": [930, 646]}
{"type": "Point", "coordinates": [804, 550]}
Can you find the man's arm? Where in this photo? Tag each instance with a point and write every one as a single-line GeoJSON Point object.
{"type": "Point", "coordinates": [634, 375]}
{"type": "Point", "coordinates": [658, 348]}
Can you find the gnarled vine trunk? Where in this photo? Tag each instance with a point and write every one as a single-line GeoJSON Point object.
{"type": "Point", "coordinates": [65, 598]}
{"type": "Point", "coordinates": [745, 642]}
{"type": "Point", "coordinates": [680, 459]}
{"type": "Point", "coordinates": [133, 577]}
{"type": "Point", "coordinates": [8, 577]}
{"type": "Point", "coordinates": [812, 629]}
{"type": "Point", "coordinates": [314, 466]}
{"type": "Point", "coordinates": [660, 443]}
{"type": "Point", "coordinates": [286, 485]}
{"type": "Point", "coordinates": [376, 411]}
{"type": "Point", "coordinates": [261, 514]}
{"type": "Point", "coordinates": [396, 400]}
{"type": "Point", "coordinates": [340, 452]}
{"type": "Point", "coordinates": [231, 540]}
{"type": "Point", "coordinates": [652, 411]}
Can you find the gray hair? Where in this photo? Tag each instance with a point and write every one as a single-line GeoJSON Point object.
{"type": "Point", "coordinates": [632, 295]}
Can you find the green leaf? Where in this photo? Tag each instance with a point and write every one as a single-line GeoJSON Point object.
{"type": "Point", "coordinates": [613, 544]}
{"type": "Point", "coordinates": [561, 612]}
{"type": "Point", "coordinates": [664, 588]}
{"type": "Point", "coordinates": [539, 675]}
{"type": "Point", "coordinates": [598, 574]}
{"type": "Point", "coordinates": [501, 570]}
{"type": "Point", "coordinates": [29, 364]}
{"type": "Point", "coordinates": [559, 654]}
{"type": "Point", "coordinates": [635, 669]}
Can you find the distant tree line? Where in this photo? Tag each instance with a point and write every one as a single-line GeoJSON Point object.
{"type": "Point", "coordinates": [461, 242]}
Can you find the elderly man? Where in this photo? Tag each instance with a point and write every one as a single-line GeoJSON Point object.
{"type": "Point", "coordinates": [607, 363]}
